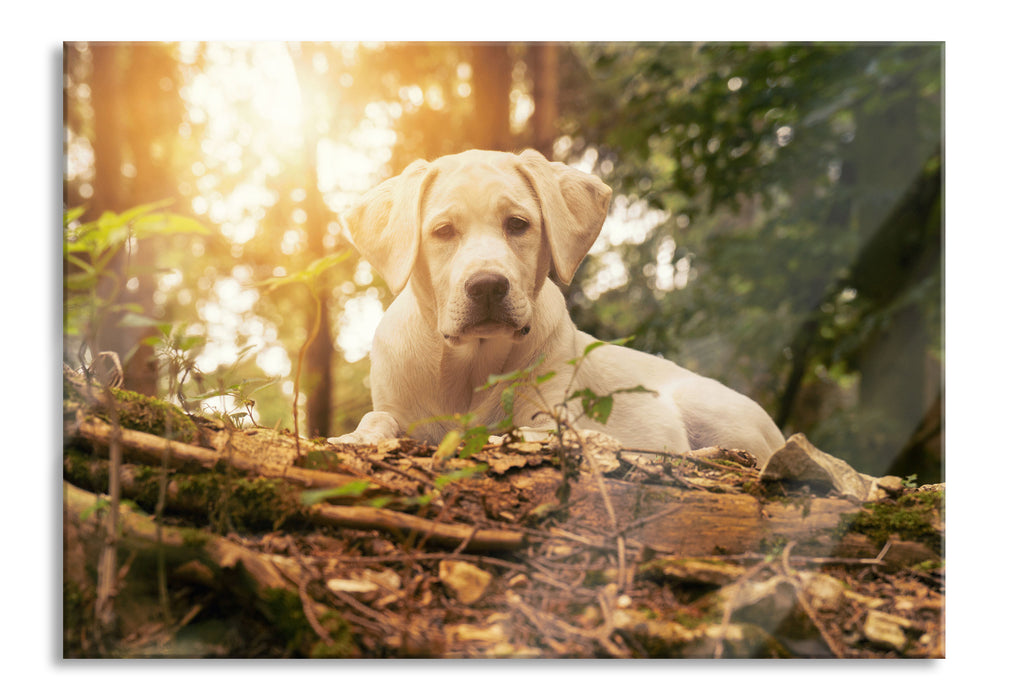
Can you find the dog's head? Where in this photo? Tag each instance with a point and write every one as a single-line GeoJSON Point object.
{"type": "Point", "coordinates": [477, 234]}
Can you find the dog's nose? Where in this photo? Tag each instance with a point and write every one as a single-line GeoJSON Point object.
{"type": "Point", "coordinates": [488, 286]}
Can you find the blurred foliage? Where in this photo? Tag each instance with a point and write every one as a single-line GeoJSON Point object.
{"type": "Point", "coordinates": [804, 187]}
{"type": "Point", "coordinates": [797, 190]}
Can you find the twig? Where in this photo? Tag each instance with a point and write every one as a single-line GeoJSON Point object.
{"type": "Point", "coordinates": [365, 518]}
{"type": "Point", "coordinates": [836, 649]}
{"type": "Point", "coordinates": [307, 605]}
{"type": "Point", "coordinates": [542, 620]}
{"type": "Point", "coordinates": [107, 574]}
{"type": "Point", "coordinates": [382, 464]}
{"type": "Point", "coordinates": [422, 556]}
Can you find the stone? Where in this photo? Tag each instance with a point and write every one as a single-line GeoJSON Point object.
{"type": "Point", "coordinates": [822, 591]}
{"type": "Point", "coordinates": [798, 460]}
{"type": "Point", "coordinates": [466, 582]}
{"type": "Point", "coordinates": [885, 487]}
{"type": "Point", "coordinates": [886, 631]}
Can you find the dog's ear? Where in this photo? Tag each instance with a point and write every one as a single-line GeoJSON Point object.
{"type": "Point", "coordinates": [385, 225]}
{"type": "Point", "coordinates": [574, 206]}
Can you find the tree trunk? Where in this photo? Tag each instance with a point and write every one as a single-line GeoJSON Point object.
{"type": "Point", "coordinates": [136, 115]}
{"type": "Point", "coordinates": [491, 125]}
{"type": "Point", "coordinates": [544, 62]}
{"type": "Point", "coordinates": [319, 357]}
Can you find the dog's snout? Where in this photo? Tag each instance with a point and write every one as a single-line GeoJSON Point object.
{"type": "Point", "coordinates": [488, 286]}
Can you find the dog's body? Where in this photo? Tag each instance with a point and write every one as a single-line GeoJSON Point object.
{"type": "Point", "coordinates": [469, 242]}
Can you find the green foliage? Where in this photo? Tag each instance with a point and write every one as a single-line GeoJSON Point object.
{"type": "Point", "coordinates": [89, 249]}
{"type": "Point", "coordinates": [802, 184]}
{"type": "Point", "coordinates": [354, 489]}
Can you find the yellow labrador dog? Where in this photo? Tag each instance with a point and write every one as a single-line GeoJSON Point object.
{"type": "Point", "coordinates": [469, 243]}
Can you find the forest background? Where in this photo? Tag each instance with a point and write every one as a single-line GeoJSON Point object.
{"type": "Point", "coordinates": [777, 220]}
{"type": "Point", "coordinates": [32, 68]}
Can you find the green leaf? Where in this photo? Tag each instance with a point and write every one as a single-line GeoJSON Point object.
{"type": "Point", "coordinates": [444, 480]}
{"type": "Point", "coordinates": [379, 501]}
{"type": "Point", "coordinates": [592, 346]}
{"type": "Point", "coordinates": [188, 342]}
{"type": "Point", "coordinates": [166, 223]}
{"type": "Point", "coordinates": [543, 378]}
{"type": "Point", "coordinates": [307, 276]}
{"type": "Point", "coordinates": [72, 214]}
{"type": "Point", "coordinates": [135, 320]}
{"type": "Point", "coordinates": [80, 281]}
{"type": "Point", "coordinates": [449, 444]}
{"type": "Point", "coordinates": [600, 409]}
{"type": "Point", "coordinates": [353, 489]}
{"type": "Point", "coordinates": [474, 440]}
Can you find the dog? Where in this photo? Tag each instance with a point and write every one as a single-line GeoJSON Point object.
{"type": "Point", "coordinates": [471, 245]}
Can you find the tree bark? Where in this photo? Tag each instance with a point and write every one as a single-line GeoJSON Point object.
{"type": "Point", "coordinates": [544, 60]}
{"type": "Point", "coordinates": [491, 125]}
{"type": "Point", "coordinates": [319, 358]}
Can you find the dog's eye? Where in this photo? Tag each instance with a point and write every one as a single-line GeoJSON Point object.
{"type": "Point", "coordinates": [516, 225]}
{"type": "Point", "coordinates": [443, 231]}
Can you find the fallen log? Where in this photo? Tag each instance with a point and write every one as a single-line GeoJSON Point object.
{"type": "Point", "coordinates": [151, 449]}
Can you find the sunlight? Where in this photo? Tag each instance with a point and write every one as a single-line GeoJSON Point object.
{"type": "Point", "coordinates": [357, 325]}
{"type": "Point", "coordinates": [247, 98]}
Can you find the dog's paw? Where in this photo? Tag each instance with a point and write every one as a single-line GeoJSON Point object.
{"type": "Point", "coordinates": [354, 438]}
{"type": "Point", "coordinates": [373, 428]}
{"type": "Point", "coordinates": [520, 435]}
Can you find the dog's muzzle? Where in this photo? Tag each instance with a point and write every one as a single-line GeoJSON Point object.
{"type": "Point", "coordinates": [489, 309]}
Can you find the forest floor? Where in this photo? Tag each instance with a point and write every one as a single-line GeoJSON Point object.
{"type": "Point", "coordinates": [271, 546]}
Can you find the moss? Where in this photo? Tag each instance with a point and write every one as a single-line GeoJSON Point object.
{"type": "Point", "coordinates": [239, 504]}
{"type": "Point", "coordinates": [227, 502]}
{"type": "Point", "coordinates": [284, 610]}
{"type": "Point", "coordinates": [149, 415]}
{"type": "Point", "coordinates": [193, 537]}
{"type": "Point", "coordinates": [137, 412]}
{"type": "Point", "coordinates": [81, 470]}
{"type": "Point", "coordinates": [911, 517]}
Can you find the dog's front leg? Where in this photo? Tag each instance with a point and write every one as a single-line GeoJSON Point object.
{"type": "Point", "coordinates": [374, 427]}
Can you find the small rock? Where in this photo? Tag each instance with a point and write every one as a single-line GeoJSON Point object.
{"type": "Point", "coordinates": [886, 631]}
{"type": "Point", "coordinates": [893, 484]}
{"type": "Point", "coordinates": [467, 583]}
{"type": "Point", "coordinates": [823, 592]}
{"type": "Point", "coordinates": [885, 487]}
{"type": "Point", "coordinates": [518, 581]}
{"type": "Point", "coordinates": [799, 460]}
{"type": "Point", "coordinates": [472, 633]}
{"type": "Point", "coordinates": [347, 585]}
{"type": "Point", "coordinates": [386, 578]}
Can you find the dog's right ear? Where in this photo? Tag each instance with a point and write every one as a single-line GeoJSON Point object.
{"type": "Point", "coordinates": [385, 225]}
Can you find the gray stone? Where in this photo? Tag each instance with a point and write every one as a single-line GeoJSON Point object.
{"type": "Point", "coordinates": [798, 460]}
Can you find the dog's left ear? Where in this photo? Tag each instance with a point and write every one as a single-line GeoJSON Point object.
{"type": "Point", "coordinates": [385, 225]}
{"type": "Point", "coordinates": [574, 206]}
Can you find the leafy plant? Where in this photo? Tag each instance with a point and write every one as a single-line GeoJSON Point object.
{"type": "Point", "coordinates": [593, 406]}
{"type": "Point", "coordinates": [92, 284]}
{"type": "Point", "coordinates": [310, 278]}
